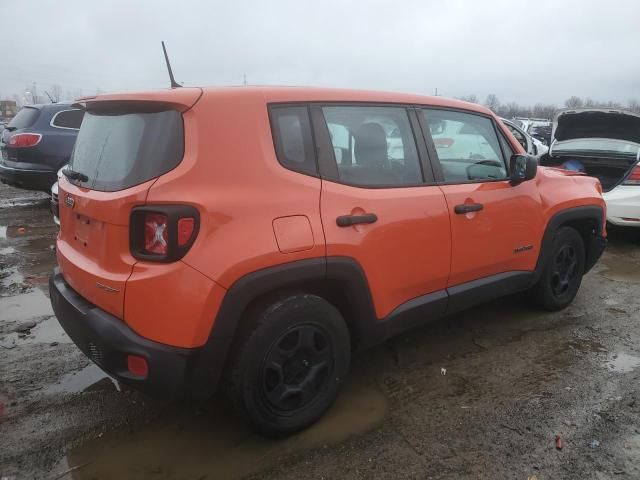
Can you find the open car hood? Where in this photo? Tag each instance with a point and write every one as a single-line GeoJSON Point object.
{"type": "Point", "coordinates": [596, 123]}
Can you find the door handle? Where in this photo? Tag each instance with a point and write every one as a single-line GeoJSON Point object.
{"type": "Point", "coordinates": [468, 207]}
{"type": "Point", "coordinates": [348, 220]}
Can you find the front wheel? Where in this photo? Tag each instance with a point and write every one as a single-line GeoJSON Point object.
{"type": "Point", "coordinates": [287, 372]}
{"type": "Point", "coordinates": [562, 273]}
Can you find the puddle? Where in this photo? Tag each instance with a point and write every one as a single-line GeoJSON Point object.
{"type": "Point", "coordinates": [7, 250]}
{"type": "Point", "coordinates": [622, 268]}
{"type": "Point", "coordinates": [10, 276]}
{"type": "Point", "coordinates": [623, 363]}
{"type": "Point", "coordinates": [48, 331]}
{"type": "Point", "coordinates": [25, 306]}
{"type": "Point", "coordinates": [23, 201]}
{"type": "Point", "coordinates": [89, 379]}
{"type": "Point", "coordinates": [216, 444]}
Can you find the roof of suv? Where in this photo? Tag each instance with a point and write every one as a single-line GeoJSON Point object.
{"type": "Point", "coordinates": [187, 96]}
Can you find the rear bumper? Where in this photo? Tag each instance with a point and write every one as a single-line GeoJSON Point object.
{"type": "Point", "coordinates": [107, 341]}
{"type": "Point", "coordinates": [623, 205]}
{"type": "Point", "coordinates": [29, 179]}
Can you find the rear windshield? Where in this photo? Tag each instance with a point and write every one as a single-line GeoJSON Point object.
{"type": "Point", "coordinates": [25, 118]}
{"type": "Point", "coordinates": [117, 150]}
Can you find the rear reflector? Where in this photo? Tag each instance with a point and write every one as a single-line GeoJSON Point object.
{"type": "Point", "coordinates": [23, 140]}
{"type": "Point", "coordinates": [185, 230]}
{"type": "Point", "coordinates": [156, 233]}
{"type": "Point", "coordinates": [137, 366]}
{"type": "Point", "coordinates": [634, 177]}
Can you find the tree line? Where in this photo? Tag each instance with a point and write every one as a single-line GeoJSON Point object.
{"type": "Point", "coordinates": [545, 110]}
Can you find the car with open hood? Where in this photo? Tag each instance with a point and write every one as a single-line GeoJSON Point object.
{"type": "Point", "coordinates": [603, 143]}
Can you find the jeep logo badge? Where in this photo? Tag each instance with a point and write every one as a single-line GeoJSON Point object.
{"type": "Point", "coordinates": [69, 201]}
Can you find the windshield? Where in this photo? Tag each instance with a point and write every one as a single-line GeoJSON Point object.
{"type": "Point", "coordinates": [117, 150]}
{"type": "Point", "coordinates": [597, 145]}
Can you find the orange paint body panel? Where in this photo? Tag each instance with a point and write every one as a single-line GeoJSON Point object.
{"type": "Point", "coordinates": [171, 303]}
{"type": "Point", "coordinates": [406, 253]}
{"type": "Point", "coordinates": [484, 243]}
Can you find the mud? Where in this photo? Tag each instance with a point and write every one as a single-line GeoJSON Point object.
{"type": "Point", "coordinates": [479, 395]}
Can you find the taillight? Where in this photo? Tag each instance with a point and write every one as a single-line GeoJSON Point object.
{"type": "Point", "coordinates": [156, 233]}
{"type": "Point", "coordinates": [634, 177]}
{"type": "Point", "coordinates": [163, 233]}
{"type": "Point", "coordinates": [23, 140]}
{"type": "Point", "coordinates": [185, 230]}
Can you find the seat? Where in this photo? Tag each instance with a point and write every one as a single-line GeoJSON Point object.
{"type": "Point", "coordinates": [370, 151]}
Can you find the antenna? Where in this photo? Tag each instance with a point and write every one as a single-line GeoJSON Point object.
{"type": "Point", "coordinates": [174, 84]}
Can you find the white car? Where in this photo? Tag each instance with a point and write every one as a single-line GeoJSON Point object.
{"type": "Point", "coordinates": [54, 198]}
{"type": "Point", "coordinates": [603, 143]}
{"type": "Point", "coordinates": [532, 145]}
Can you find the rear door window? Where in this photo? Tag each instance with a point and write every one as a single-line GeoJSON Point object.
{"type": "Point", "coordinates": [373, 146]}
{"type": "Point", "coordinates": [68, 119]}
{"type": "Point", "coordinates": [467, 146]}
{"type": "Point", "coordinates": [25, 118]}
{"type": "Point", "coordinates": [117, 150]}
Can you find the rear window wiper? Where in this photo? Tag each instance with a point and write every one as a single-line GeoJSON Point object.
{"type": "Point", "coordinates": [73, 175]}
{"type": "Point", "coordinates": [9, 128]}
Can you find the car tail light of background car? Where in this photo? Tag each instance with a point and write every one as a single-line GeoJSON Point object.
{"type": "Point", "coordinates": [163, 233]}
{"type": "Point", "coordinates": [634, 177]}
{"type": "Point", "coordinates": [23, 140]}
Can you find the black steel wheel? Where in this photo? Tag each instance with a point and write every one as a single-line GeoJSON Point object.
{"type": "Point", "coordinates": [288, 368]}
{"type": "Point", "coordinates": [297, 367]}
{"type": "Point", "coordinates": [562, 274]}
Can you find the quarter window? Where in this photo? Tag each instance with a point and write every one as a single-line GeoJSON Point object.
{"type": "Point", "coordinates": [467, 146]}
{"type": "Point", "coordinates": [373, 146]}
{"type": "Point", "coordinates": [292, 136]}
{"type": "Point", "coordinates": [68, 119]}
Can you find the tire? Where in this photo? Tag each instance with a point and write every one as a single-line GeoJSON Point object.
{"type": "Point", "coordinates": [562, 275]}
{"type": "Point", "coordinates": [288, 369]}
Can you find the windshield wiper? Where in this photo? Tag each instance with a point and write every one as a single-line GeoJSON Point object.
{"type": "Point", "coordinates": [73, 175]}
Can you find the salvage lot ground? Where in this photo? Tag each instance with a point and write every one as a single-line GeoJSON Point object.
{"type": "Point", "coordinates": [481, 395]}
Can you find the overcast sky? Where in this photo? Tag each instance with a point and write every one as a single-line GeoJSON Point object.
{"type": "Point", "coordinates": [524, 51]}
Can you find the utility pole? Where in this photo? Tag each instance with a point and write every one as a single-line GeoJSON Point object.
{"type": "Point", "coordinates": [34, 93]}
{"type": "Point", "coordinates": [244, 79]}
{"type": "Point", "coordinates": [436, 91]}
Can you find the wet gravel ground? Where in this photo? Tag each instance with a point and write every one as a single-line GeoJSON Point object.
{"type": "Point", "coordinates": [483, 394]}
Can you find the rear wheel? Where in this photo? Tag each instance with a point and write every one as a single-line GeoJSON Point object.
{"type": "Point", "coordinates": [287, 372]}
{"type": "Point", "coordinates": [563, 271]}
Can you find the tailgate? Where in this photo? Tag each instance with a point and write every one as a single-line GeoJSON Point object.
{"type": "Point", "coordinates": [93, 244]}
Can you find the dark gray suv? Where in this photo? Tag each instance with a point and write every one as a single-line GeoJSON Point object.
{"type": "Point", "coordinates": [37, 143]}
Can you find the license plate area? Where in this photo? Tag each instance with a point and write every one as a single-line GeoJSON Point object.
{"type": "Point", "coordinates": [83, 229]}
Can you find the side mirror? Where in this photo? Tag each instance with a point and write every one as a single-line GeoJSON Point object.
{"type": "Point", "coordinates": [522, 168]}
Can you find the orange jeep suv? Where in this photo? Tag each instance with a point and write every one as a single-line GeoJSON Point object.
{"type": "Point", "coordinates": [253, 238]}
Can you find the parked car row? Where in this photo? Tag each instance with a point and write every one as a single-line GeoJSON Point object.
{"type": "Point", "coordinates": [603, 143]}
{"type": "Point", "coordinates": [532, 145]}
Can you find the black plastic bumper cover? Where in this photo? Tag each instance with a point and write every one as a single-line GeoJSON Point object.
{"type": "Point", "coordinates": [28, 179]}
{"type": "Point", "coordinates": [107, 341]}
{"type": "Point", "coordinates": [594, 251]}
